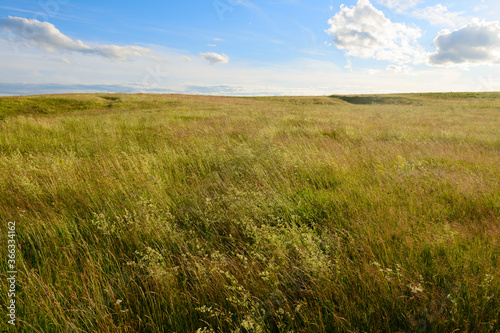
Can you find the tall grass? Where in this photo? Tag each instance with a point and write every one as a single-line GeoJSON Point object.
{"type": "Point", "coordinates": [139, 213]}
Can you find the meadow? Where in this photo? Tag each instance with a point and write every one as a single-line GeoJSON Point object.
{"type": "Point", "coordinates": [172, 213]}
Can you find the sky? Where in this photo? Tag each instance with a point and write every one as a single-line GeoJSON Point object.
{"type": "Point", "coordinates": [249, 47]}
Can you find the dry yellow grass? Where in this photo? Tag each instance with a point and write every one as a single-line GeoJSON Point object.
{"type": "Point", "coordinates": [171, 213]}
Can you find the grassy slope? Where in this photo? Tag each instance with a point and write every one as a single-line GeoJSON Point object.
{"type": "Point", "coordinates": [142, 213]}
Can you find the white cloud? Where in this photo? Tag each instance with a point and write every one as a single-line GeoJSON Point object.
{"type": "Point", "coordinates": [439, 15]}
{"type": "Point", "coordinates": [215, 58]}
{"type": "Point", "coordinates": [480, 7]}
{"type": "Point", "coordinates": [399, 5]}
{"type": "Point", "coordinates": [363, 31]}
{"type": "Point", "coordinates": [47, 37]}
{"type": "Point", "coordinates": [399, 69]}
{"type": "Point", "coordinates": [474, 44]}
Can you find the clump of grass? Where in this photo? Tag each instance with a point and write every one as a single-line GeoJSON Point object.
{"type": "Point", "coordinates": [139, 213]}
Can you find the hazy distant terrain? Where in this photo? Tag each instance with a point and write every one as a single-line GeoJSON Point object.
{"type": "Point", "coordinates": [172, 213]}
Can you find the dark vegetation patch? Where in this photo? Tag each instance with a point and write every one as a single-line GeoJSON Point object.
{"type": "Point", "coordinates": [374, 99]}
{"type": "Point", "coordinates": [112, 100]}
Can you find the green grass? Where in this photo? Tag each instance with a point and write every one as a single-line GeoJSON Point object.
{"type": "Point", "coordinates": [170, 213]}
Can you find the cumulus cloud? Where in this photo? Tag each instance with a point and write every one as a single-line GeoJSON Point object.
{"type": "Point", "coordinates": [363, 31]}
{"type": "Point", "coordinates": [474, 44]}
{"type": "Point", "coordinates": [46, 36]}
{"type": "Point", "coordinates": [439, 15]}
{"type": "Point", "coordinates": [214, 58]}
{"type": "Point", "coordinates": [400, 6]}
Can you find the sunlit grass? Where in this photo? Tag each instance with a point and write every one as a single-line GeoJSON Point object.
{"type": "Point", "coordinates": [140, 213]}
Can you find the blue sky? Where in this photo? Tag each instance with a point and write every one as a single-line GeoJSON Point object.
{"type": "Point", "coordinates": [243, 47]}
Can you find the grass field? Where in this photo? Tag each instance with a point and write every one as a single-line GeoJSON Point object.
{"type": "Point", "coordinates": [170, 213]}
